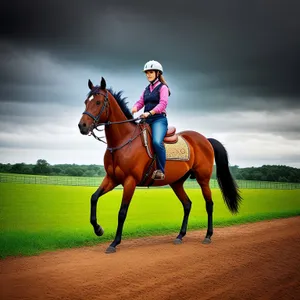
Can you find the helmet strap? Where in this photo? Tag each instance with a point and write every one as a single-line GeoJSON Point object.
{"type": "Point", "coordinates": [156, 78]}
{"type": "Point", "coordinates": [154, 81]}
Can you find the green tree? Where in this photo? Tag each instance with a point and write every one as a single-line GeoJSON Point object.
{"type": "Point", "coordinates": [42, 167]}
{"type": "Point", "coordinates": [18, 168]}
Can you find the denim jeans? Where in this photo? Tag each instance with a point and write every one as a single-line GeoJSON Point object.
{"type": "Point", "coordinates": [159, 127]}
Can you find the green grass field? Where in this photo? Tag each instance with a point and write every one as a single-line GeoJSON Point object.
{"type": "Point", "coordinates": [37, 218]}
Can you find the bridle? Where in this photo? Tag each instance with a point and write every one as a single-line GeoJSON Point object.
{"type": "Point", "coordinates": [95, 124]}
{"type": "Point", "coordinates": [104, 107]}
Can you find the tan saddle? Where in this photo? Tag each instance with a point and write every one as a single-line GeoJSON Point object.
{"type": "Point", "coordinates": [176, 146]}
{"type": "Point", "coordinates": [171, 137]}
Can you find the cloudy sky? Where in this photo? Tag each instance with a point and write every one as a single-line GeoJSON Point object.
{"type": "Point", "coordinates": [232, 67]}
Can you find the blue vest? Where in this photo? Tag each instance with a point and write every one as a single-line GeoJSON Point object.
{"type": "Point", "coordinates": [151, 99]}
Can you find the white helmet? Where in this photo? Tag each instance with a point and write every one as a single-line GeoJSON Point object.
{"type": "Point", "coordinates": [153, 65]}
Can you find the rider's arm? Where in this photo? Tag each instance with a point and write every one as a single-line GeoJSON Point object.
{"type": "Point", "coordinates": [139, 104]}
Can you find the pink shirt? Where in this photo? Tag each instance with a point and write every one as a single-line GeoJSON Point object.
{"type": "Point", "coordinates": [163, 96]}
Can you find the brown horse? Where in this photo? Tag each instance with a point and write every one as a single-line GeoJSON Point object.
{"type": "Point", "coordinates": [127, 161]}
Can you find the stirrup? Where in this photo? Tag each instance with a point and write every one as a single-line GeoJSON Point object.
{"type": "Point", "coordinates": [158, 175]}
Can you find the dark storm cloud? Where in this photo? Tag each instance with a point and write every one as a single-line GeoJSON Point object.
{"type": "Point", "coordinates": [241, 49]}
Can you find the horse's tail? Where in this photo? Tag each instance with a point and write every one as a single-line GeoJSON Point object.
{"type": "Point", "coordinates": [228, 186]}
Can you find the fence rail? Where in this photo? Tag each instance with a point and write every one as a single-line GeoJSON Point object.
{"type": "Point", "coordinates": [95, 181]}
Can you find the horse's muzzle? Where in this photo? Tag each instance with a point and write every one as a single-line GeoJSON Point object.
{"type": "Point", "coordinates": [84, 129]}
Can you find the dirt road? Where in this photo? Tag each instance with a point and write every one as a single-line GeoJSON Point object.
{"type": "Point", "coordinates": [254, 261]}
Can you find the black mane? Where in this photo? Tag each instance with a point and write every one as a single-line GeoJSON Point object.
{"type": "Point", "coordinates": [119, 98]}
{"type": "Point", "coordinates": [122, 103]}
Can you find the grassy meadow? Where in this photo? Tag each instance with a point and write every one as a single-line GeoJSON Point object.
{"type": "Point", "coordinates": [37, 218]}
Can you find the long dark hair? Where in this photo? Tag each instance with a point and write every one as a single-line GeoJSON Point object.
{"type": "Point", "coordinates": [162, 80]}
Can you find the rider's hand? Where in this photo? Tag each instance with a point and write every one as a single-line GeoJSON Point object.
{"type": "Point", "coordinates": [134, 110]}
{"type": "Point", "coordinates": [145, 115]}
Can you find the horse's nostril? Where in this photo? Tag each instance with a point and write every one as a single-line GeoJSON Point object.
{"type": "Point", "coordinates": [82, 125]}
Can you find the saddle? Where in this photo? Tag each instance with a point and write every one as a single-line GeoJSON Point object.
{"type": "Point", "coordinates": [177, 149]}
{"type": "Point", "coordinates": [176, 146]}
{"type": "Point", "coordinates": [171, 137]}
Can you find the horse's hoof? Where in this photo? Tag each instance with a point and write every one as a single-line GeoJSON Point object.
{"type": "Point", "coordinates": [110, 249]}
{"type": "Point", "coordinates": [206, 241]}
{"type": "Point", "coordinates": [99, 230]}
{"type": "Point", "coordinates": [177, 242]}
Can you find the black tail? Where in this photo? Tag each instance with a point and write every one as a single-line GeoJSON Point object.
{"type": "Point", "coordinates": [228, 186]}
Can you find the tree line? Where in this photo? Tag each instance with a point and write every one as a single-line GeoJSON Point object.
{"type": "Point", "coordinates": [42, 167]}
{"type": "Point", "coordinates": [278, 173]}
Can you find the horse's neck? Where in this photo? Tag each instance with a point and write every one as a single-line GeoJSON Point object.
{"type": "Point", "coordinates": [116, 133]}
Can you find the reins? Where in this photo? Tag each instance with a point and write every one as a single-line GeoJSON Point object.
{"type": "Point", "coordinates": [112, 149]}
{"type": "Point", "coordinates": [118, 122]}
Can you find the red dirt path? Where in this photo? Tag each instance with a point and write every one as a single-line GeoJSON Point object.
{"type": "Point", "coordinates": [254, 261]}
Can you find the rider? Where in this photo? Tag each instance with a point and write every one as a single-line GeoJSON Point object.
{"type": "Point", "coordinates": [155, 100]}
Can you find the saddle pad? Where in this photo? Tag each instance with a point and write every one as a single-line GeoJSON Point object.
{"type": "Point", "coordinates": [178, 151]}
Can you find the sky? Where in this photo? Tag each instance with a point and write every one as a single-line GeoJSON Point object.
{"type": "Point", "coordinates": [232, 68]}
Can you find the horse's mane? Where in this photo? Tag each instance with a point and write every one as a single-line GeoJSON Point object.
{"type": "Point", "coordinates": [120, 100]}
{"type": "Point", "coordinates": [122, 103]}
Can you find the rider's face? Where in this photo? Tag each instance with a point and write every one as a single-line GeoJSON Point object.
{"type": "Point", "coordinates": [151, 75]}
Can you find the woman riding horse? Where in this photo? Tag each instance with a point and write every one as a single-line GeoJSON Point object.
{"type": "Point", "coordinates": [125, 147]}
{"type": "Point", "coordinates": [155, 100]}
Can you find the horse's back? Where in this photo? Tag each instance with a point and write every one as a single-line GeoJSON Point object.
{"type": "Point", "coordinates": [195, 138]}
{"type": "Point", "coordinates": [200, 147]}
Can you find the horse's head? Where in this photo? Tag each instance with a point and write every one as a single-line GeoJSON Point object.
{"type": "Point", "coordinates": [96, 107]}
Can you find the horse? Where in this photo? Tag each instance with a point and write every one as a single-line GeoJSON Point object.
{"type": "Point", "coordinates": [127, 161]}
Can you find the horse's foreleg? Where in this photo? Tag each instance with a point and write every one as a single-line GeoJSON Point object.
{"type": "Point", "coordinates": [106, 186]}
{"type": "Point", "coordinates": [187, 204]}
{"type": "Point", "coordinates": [129, 188]}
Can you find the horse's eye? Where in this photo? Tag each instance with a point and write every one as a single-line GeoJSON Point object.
{"type": "Point", "coordinates": [98, 102]}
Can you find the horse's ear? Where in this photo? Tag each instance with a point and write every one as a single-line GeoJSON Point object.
{"type": "Point", "coordinates": [103, 84]}
{"type": "Point", "coordinates": [90, 84]}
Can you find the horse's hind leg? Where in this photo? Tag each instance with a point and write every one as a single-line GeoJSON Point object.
{"type": "Point", "coordinates": [187, 204]}
{"type": "Point", "coordinates": [206, 192]}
